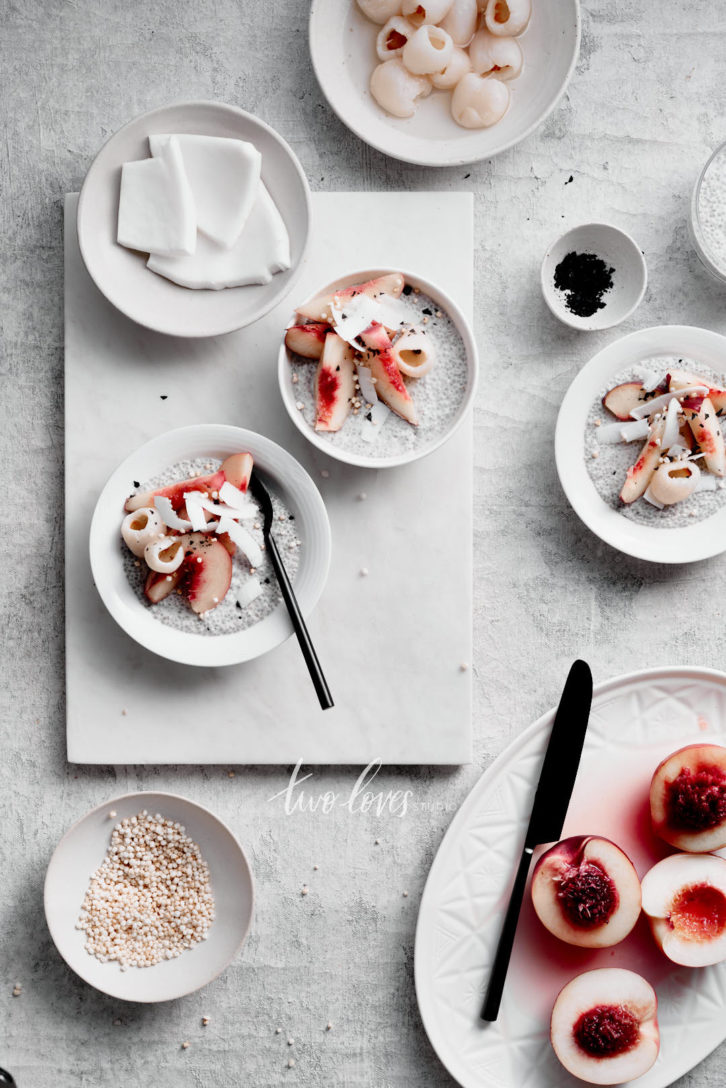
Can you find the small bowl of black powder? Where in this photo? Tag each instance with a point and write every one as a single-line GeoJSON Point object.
{"type": "Point", "coordinates": [593, 277]}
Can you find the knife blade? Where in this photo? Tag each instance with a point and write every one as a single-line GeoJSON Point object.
{"type": "Point", "coordinates": [549, 809]}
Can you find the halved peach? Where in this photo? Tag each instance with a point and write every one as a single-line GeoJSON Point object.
{"type": "Point", "coordinates": [684, 897]}
{"type": "Point", "coordinates": [688, 798]}
{"type": "Point", "coordinates": [604, 1026]}
{"type": "Point", "coordinates": [390, 386]}
{"type": "Point", "coordinates": [621, 399]}
{"type": "Point", "coordinates": [334, 385]}
{"type": "Point", "coordinates": [320, 307]}
{"type": "Point", "coordinates": [586, 892]}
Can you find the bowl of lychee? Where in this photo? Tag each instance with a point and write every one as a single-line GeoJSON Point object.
{"type": "Point", "coordinates": [587, 893]}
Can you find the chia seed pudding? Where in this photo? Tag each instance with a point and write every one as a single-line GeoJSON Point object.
{"type": "Point", "coordinates": [607, 463]}
{"type": "Point", "coordinates": [710, 225]}
{"type": "Point", "coordinates": [229, 616]}
{"type": "Point", "coordinates": [438, 394]}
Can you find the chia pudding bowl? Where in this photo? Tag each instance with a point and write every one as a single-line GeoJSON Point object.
{"type": "Point", "coordinates": [178, 553]}
{"type": "Point", "coordinates": [420, 357]}
{"type": "Point", "coordinates": [707, 222]}
{"type": "Point", "coordinates": [640, 444]}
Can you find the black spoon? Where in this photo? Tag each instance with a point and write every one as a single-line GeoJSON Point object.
{"type": "Point", "coordinates": [260, 493]}
{"type": "Point", "coordinates": [5, 1078]}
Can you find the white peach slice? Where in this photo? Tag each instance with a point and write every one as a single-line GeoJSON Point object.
{"type": "Point", "coordinates": [639, 475]}
{"type": "Point", "coordinates": [604, 1026]}
{"type": "Point", "coordinates": [175, 492]}
{"type": "Point", "coordinates": [682, 379]}
{"type": "Point", "coordinates": [586, 892]}
{"type": "Point", "coordinates": [684, 897]}
{"type": "Point", "coordinates": [206, 572]}
{"type": "Point", "coordinates": [158, 586]}
{"type": "Point", "coordinates": [621, 399]}
{"type": "Point", "coordinates": [390, 386]}
{"type": "Point", "coordinates": [307, 340]}
{"type": "Point", "coordinates": [688, 798]}
{"type": "Point", "coordinates": [334, 384]}
{"type": "Point", "coordinates": [237, 469]}
{"type": "Point", "coordinates": [320, 307]}
{"type": "Point", "coordinates": [703, 421]}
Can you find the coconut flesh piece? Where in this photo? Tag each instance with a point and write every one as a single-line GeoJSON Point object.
{"type": "Point", "coordinates": [244, 540]}
{"type": "Point", "coordinates": [367, 388]}
{"type": "Point", "coordinates": [371, 428]}
{"type": "Point", "coordinates": [672, 433]}
{"type": "Point", "coordinates": [200, 501]}
{"type": "Point", "coordinates": [657, 404]}
{"type": "Point", "coordinates": [706, 482]}
{"type": "Point", "coordinates": [238, 499]}
{"type": "Point", "coordinates": [169, 516]}
{"type": "Point", "coordinates": [623, 432]}
{"type": "Point", "coordinates": [250, 591]}
{"type": "Point", "coordinates": [650, 380]}
{"type": "Point", "coordinates": [352, 316]}
{"type": "Point", "coordinates": [649, 497]}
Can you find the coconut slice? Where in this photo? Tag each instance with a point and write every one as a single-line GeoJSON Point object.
{"type": "Point", "coordinates": [622, 432]}
{"type": "Point", "coordinates": [672, 431]}
{"type": "Point", "coordinates": [650, 497]}
{"type": "Point", "coordinates": [657, 404]}
{"type": "Point", "coordinates": [169, 516]}
{"type": "Point", "coordinates": [371, 428]}
{"type": "Point", "coordinates": [250, 591]}
{"type": "Point", "coordinates": [244, 540]}
{"type": "Point", "coordinates": [706, 482]}
{"type": "Point", "coordinates": [367, 388]}
{"type": "Point", "coordinates": [238, 500]}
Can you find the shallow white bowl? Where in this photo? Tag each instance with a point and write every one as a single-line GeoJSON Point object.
{"type": "Point", "coordinates": [121, 274]}
{"type": "Point", "coordinates": [658, 545]}
{"type": "Point", "coordinates": [281, 471]}
{"type": "Point", "coordinates": [620, 252]}
{"type": "Point", "coordinates": [81, 851]}
{"type": "Point", "coordinates": [289, 397]}
{"type": "Point", "coordinates": [342, 47]}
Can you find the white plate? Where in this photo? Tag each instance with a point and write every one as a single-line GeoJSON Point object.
{"type": "Point", "coordinates": [426, 446]}
{"type": "Point", "coordinates": [659, 545]}
{"type": "Point", "coordinates": [81, 851]}
{"type": "Point", "coordinates": [285, 475]}
{"type": "Point", "coordinates": [122, 275]}
{"type": "Point", "coordinates": [636, 720]}
{"type": "Point", "coordinates": [342, 46]}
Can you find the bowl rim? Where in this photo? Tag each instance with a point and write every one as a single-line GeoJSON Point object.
{"type": "Point", "coordinates": [582, 324]}
{"type": "Point", "coordinates": [232, 325]}
{"type": "Point", "coordinates": [687, 544]}
{"type": "Point", "coordinates": [184, 647]}
{"type": "Point", "coordinates": [454, 160]}
{"type": "Point", "coordinates": [465, 330]}
{"type": "Point", "coordinates": [695, 225]}
{"type": "Point", "coordinates": [96, 810]}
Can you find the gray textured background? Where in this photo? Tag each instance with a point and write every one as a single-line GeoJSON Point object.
{"type": "Point", "coordinates": [643, 110]}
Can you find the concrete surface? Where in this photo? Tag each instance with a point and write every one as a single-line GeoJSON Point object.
{"type": "Point", "coordinates": [645, 107]}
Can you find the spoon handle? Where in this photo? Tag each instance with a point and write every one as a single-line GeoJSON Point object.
{"type": "Point", "coordinates": [303, 637]}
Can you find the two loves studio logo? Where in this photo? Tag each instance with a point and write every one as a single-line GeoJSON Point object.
{"type": "Point", "coordinates": [361, 798]}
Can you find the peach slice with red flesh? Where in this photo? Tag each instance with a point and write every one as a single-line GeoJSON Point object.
{"type": "Point", "coordinates": [639, 475]}
{"type": "Point", "coordinates": [206, 573]}
{"type": "Point", "coordinates": [586, 892]}
{"type": "Point", "coordinates": [621, 399]}
{"type": "Point", "coordinates": [703, 421]}
{"type": "Point", "coordinates": [307, 340]}
{"type": "Point", "coordinates": [175, 492]}
{"type": "Point", "coordinates": [604, 1026]}
{"type": "Point", "coordinates": [381, 361]}
{"type": "Point", "coordinates": [237, 469]}
{"type": "Point", "coordinates": [684, 897]}
{"type": "Point", "coordinates": [158, 586]}
{"type": "Point", "coordinates": [334, 384]}
{"type": "Point", "coordinates": [688, 798]}
{"type": "Point", "coordinates": [320, 307]}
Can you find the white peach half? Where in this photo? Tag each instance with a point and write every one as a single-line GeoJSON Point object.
{"type": "Point", "coordinates": [688, 798]}
{"type": "Point", "coordinates": [684, 897]}
{"type": "Point", "coordinates": [604, 1026]}
{"type": "Point", "coordinates": [586, 892]}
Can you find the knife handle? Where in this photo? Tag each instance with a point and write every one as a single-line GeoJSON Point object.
{"type": "Point", "coordinates": [498, 975]}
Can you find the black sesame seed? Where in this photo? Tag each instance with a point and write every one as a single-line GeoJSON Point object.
{"type": "Point", "coordinates": [163, 396]}
{"type": "Point", "coordinates": [136, 483]}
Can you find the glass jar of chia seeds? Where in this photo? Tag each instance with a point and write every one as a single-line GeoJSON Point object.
{"type": "Point", "coordinates": [707, 221]}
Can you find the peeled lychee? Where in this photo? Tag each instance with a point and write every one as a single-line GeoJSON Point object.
{"type": "Point", "coordinates": [688, 798]}
{"type": "Point", "coordinates": [586, 892]}
{"type": "Point", "coordinates": [604, 1026]}
{"type": "Point", "coordinates": [684, 897]}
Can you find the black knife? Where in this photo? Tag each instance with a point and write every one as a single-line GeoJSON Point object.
{"type": "Point", "coordinates": [554, 789]}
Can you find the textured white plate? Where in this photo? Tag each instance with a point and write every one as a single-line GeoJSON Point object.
{"type": "Point", "coordinates": [122, 275]}
{"type": "Point", "coordinates": [342, 46]}
{"type": "Point", "coordinates": [81, 851]}
{"type": "Point", "coordinates": [636, 720]}
{"type": "Point", "coordinates": [659, 545]}
{"type": "Point", "coordinates": [289, 398]}
{"type": "Point", "coordinates": [286, 476]}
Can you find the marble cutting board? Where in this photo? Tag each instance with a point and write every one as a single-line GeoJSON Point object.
{"type": "Point", "coordinates": [391, 644]}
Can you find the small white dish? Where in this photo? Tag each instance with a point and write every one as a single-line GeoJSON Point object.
{"type": "Point", "coordinates": [284, 475]}
{"type": "Point", "coordinates": [695, 228]}
{"type": "Point", "coordinates": [426, 446]}
{"type": "Point", "coordinates": [342, 47]}
{"type": "Point", "coordinates": [81, 851]}
{"type": "Point", "coordinates": [121, 274]}
{"type": "Point", "coordinates": [656, 544]}
{"type": "Point", "coordinates": [620, 252]}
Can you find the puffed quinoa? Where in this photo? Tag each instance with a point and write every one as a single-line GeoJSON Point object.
{"type": "Point", "coordinates": [150, 898]}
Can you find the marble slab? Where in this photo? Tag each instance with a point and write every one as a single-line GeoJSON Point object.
{"type": "Point", "coordinates": [391, 644]}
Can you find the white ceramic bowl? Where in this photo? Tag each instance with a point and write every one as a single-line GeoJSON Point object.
{"type": "Point", "coordinates": [426, 446]}
{"type": "Point", "coordinates": [707, 258]}
{"type": "Point", "coordinates": [122, 275]}
{"type": "Point", "coordinates": [81, 851]}
{"type": "Point", "coordinates": [342, 47]}
{"type": "Point", "coordinates": [281, 471]}
{"type": "Point", "coordinates": [620, 252]}
{"type": "Point", "coordinates": [658, 545]}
